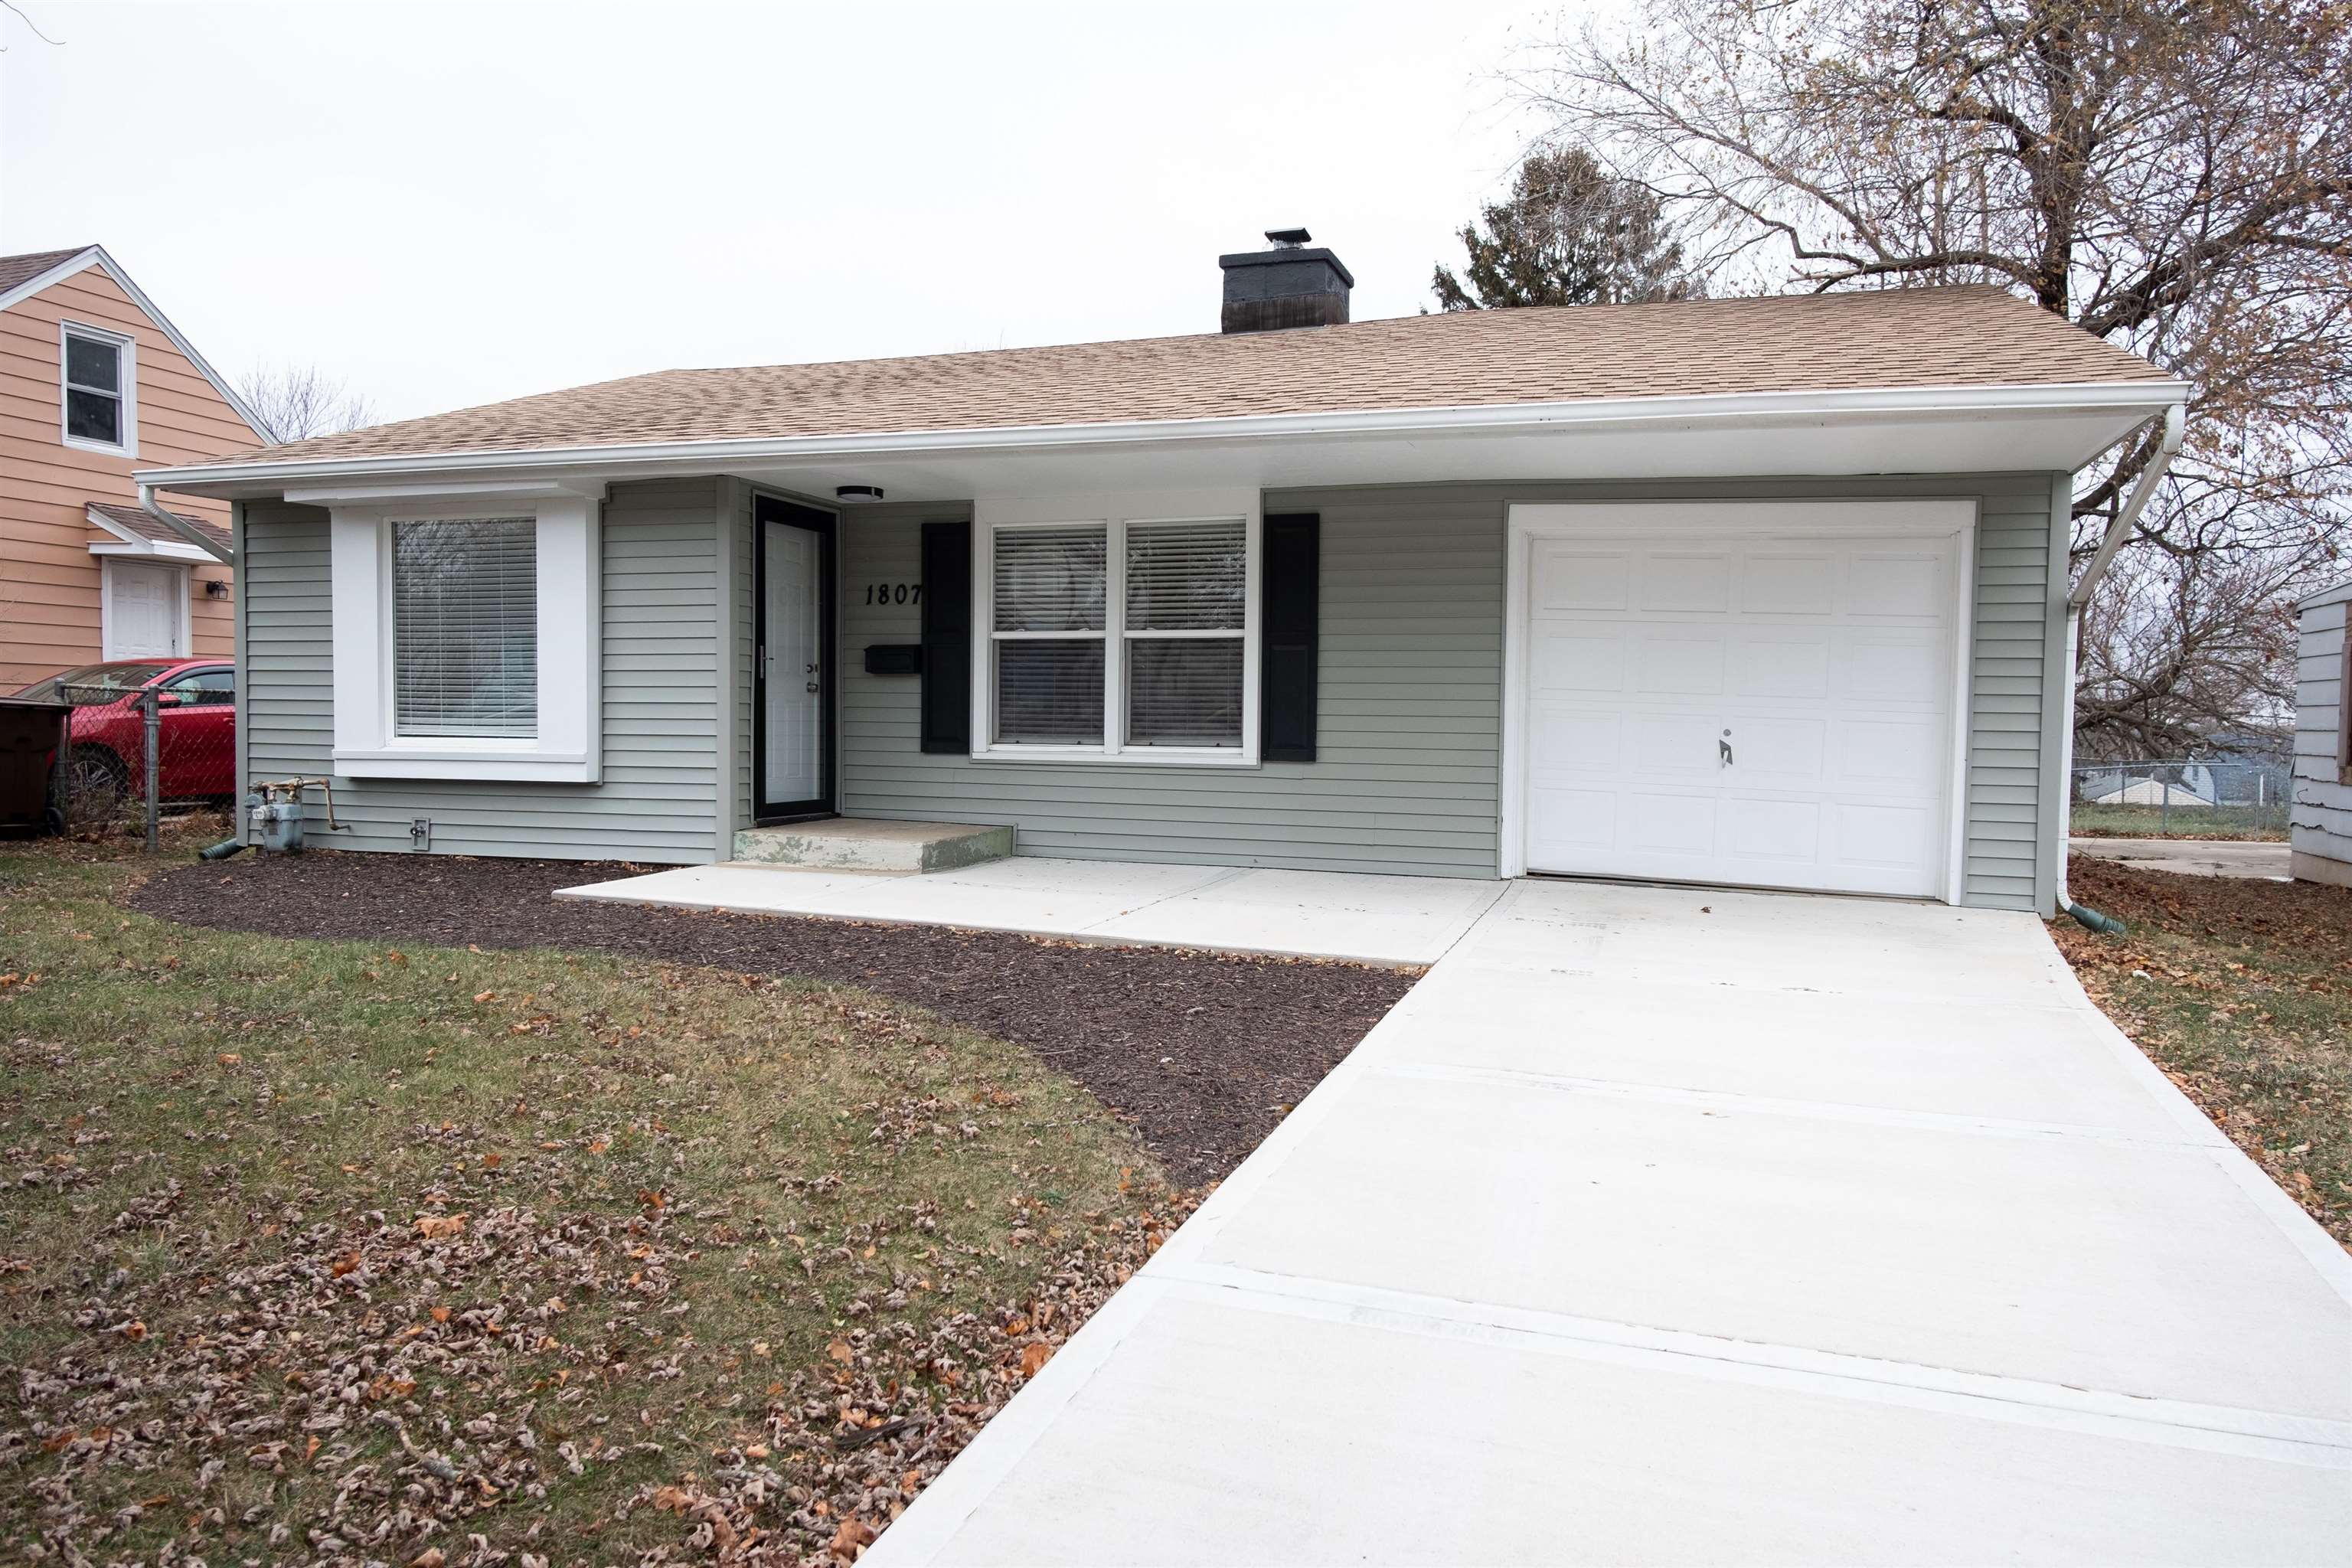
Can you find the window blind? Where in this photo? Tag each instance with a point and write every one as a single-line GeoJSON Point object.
{"type": "Point", "coordinates": [1186, 576]}
{"type": "Point", "coordinates": [1187, 603]}
{"type": "Point", "coordinates": [1050, 579]}
{"type": "Point", "coordinates": [465, 611]}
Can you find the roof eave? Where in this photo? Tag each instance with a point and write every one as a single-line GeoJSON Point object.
{"type": "Point", "coordinates": [617, 460]}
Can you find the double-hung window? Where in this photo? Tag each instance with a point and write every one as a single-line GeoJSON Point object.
{"type": "Point", "coordinates": [1124, 639]}
{"type": "Point", "coordinates": [100, 410]}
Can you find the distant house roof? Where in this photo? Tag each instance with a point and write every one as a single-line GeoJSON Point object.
{"type": "Point", "coordinates": [1973, 336]}
{"type": "Point", "coordinates": [17, 270]}
{"type": "Point", "coordinates": [21, 276]}
{"type": "Point", "coordinates": [136, 520]}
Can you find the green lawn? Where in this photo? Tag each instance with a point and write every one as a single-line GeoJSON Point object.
{"type": "Point", "coordinates": [2241, 990]}
{"type": "Point", "coordinates": [2179, 820]}
{"type": "Point", "coordinates": [313, 1247]}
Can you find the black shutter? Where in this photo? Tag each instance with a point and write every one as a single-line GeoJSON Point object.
{"type": "Point", "coordinates": [947, 638]}
{"type": "Point", "coordinates": [1287, 663]}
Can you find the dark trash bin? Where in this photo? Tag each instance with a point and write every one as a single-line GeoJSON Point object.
{"type": "Point", "coordinates": [30, 734]}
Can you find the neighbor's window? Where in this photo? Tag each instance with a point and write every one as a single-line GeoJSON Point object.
{"type": "Point", "coordinates": [97, 388]}
{"type": "Point", "coordinates": [1119, 637]}
{"type": "Point", "coordinates": [464, 614]}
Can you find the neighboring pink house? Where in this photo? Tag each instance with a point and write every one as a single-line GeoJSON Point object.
{"type": "Point", "coordinates": [94, 382]}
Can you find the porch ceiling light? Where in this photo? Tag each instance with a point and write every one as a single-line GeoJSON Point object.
{"type": "Point", "coordinates": [856, 495]}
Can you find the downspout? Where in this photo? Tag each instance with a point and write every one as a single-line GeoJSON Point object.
{"type": "Point", "coordinates": [195, 536]}
{"type": "Point", "coordinates": [2117, 532]}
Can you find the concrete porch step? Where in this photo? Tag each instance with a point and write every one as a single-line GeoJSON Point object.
{"type": "Point", "coordinates": [856, 844]}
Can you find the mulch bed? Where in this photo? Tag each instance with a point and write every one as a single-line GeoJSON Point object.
{"type": "Point", "coordinates": [1201, 1053]}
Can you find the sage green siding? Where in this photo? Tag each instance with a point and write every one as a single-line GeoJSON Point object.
{"type": "Point", "coordinates": [1410, 695]}
{"type": "Point", "coordinates": [1411, 640]}
{"type": "Point", "coordinates": [658, 797]}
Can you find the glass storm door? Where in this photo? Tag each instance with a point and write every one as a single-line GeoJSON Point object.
{"type": "Point", "coordinates": [795, 660]}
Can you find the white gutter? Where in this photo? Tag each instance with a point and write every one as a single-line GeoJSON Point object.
{"type": "Point", "coordinates": [1499, 419]}
{"type": "Point", "coordinates": [2166, 448]}
{"type": "Point", "coordinates": [195, 536]}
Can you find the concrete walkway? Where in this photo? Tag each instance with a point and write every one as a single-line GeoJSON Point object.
{"type": "Point", "coordinates": [1663, 1225]}
{"type": "Point", "coordinates": [2264, 859]}
{"type": "Point", "coordinates": [1318, 914]}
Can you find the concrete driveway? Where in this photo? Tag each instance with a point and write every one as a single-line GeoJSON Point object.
{"type": "Point", "coordinates": [1663, 1226]}
{"type": "Point", "coordinates": [2266, 859]}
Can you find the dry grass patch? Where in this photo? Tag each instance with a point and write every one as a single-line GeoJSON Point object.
{"type": "Point", "coordinates": [2242, 991]}
{"type": "Point", "coordinates": [344, 1251]}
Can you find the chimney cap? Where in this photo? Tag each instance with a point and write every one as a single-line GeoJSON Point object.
{"type": "Point", "coordinates": [1287, 239]}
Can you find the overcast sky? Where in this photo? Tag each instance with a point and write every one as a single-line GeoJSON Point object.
{"type": "Point", "coordinates": [451, 205]}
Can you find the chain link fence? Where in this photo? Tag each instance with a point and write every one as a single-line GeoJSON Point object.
{"type": "Point", "coordinates": [2243, 798]}
{"type": "Point", "coordinates": [134, 757]}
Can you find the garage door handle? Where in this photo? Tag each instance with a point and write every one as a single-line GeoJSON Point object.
{"type": "Point", "coordinates": [1724, 745]}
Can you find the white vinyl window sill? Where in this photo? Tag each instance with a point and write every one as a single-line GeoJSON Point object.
{"type": "Point", "coordinates": [1131, 757]}
{"type": "Point", "coordinates": [498, 764]}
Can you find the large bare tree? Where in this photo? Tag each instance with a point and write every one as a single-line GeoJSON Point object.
{"type": "Point", "coordinates": [2175, 177]}
{"type": "Point", "coordinates": [295, 401]}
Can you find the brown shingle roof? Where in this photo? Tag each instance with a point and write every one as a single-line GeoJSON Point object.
{"type": "Point", "coordinates": [16, 270]}
{"type": "Point", "coordinates": [1969, 336]}
{"type": "Point", "coordinates": [136, 520]}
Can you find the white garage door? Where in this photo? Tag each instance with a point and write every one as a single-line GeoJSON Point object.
{"type": "Point", "coordinates": [1747, 704]}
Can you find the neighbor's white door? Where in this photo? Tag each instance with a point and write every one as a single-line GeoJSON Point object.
{"type": "Point", "coordinates": [143, 610]}
{"type": "Point", "coordinates": [793, 728]}
{"type": "Point", "coordinates": [1727, 708]}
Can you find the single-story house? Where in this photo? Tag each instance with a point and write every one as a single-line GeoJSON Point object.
{"type": "Point", "coordinates": [2319, 832]}
{"type": "Point", "coordinates": [1760, 591]}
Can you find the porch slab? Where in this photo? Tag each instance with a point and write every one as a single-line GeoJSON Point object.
{"type": "Point", "coordinates": [859, 843]}
{"type": "Point", "coordinates": [1402, 920]}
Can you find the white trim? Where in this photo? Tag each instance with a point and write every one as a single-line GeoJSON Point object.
{"type": "Point", "coordinates": [131, 542]}
{"type": "Point", "coordinates": [1846, 515]}
{"type": "Point", "coordinates": [568, 747]}
{"type": "Point", "coordinates": [126, 392]}
{"type": "Point", "coordinates": [1909, 404]}
{"type": "Point", "coordinates": [1113, 512]}
{"type": "Point", "coordinates": [184, 636]}
{"type": "Point", "coordinates": [96, 256]}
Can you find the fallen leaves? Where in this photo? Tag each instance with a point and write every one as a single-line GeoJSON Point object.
{"type": "Point", "coordinates": [440, 1227]}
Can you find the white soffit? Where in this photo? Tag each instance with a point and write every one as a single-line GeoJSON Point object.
{"type": "Point", "coordinates": [1998, 429]}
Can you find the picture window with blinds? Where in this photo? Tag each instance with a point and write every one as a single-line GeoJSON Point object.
{"type": "Point", "coordinates": [97, 395]}
{"type": "Point", "coordinates": [465, 623]}
{"type": "Point", "coordinates": [1127, 639]}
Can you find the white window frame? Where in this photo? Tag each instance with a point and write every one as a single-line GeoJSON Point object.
{"type": "Point", "coordinates": [568, 747]}
{"type": "Point", "coordinates": [126, 366]}
{"type": "Point", "coordinates": [1114, 513]}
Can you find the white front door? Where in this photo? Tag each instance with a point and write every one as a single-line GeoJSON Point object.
{"type": "Point", "coordinates": [145, 609]}
{"type": "Point", "coordinates": [793, 586]}
{"type": "Point", "coordinates": [1746, 702]}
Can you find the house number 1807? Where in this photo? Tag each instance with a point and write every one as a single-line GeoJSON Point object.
{"type": "Point", "coordinates": [894, 593]}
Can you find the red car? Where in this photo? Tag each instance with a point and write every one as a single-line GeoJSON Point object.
{"type": "Point", "coordinates": [195, 742]}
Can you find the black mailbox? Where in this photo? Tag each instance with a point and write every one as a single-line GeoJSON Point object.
{"type": "Point", "coordinates": [894, 658]}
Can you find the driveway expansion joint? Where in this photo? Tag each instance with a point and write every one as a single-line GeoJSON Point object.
{"type": "Point", "coordinates": [2298, 1439]}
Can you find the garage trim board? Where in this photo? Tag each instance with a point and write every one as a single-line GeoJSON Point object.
{"type": "Point", "coordinates": [1711, 538]}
